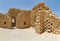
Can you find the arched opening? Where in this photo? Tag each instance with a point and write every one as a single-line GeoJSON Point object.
{"type": "Point", "coordinates": [13, 21]}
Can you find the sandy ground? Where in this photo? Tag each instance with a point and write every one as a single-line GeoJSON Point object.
{"type": "Point", "coordinates": [26, 35]}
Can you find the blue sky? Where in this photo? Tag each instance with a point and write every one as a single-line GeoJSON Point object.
{"type": "Point", "coordinates": [28, 5]}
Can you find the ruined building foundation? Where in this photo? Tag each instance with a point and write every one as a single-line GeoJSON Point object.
{"type": "Point", "coordinates": [41, 18]}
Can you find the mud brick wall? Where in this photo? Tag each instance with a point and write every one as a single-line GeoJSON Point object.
{"type": "Point", "coordinates": [23, 20]}
{"type": "Point", "coordinates": [13, 12]}
{"type": "Point", "coordinates": [5, 21]}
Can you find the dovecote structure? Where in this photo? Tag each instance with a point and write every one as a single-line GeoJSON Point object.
{"type": "Point", "coordinates": [41, 18]}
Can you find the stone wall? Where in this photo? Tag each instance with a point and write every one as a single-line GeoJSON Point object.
{"type": "Point", "coordinates": [47, 20]}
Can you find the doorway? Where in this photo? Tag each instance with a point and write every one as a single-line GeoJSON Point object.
{"type": "Point", "coordinates": [13, 21]}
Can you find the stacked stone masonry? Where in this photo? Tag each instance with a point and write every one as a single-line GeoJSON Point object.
{"type": "Point", "coordinates": [41, 18]}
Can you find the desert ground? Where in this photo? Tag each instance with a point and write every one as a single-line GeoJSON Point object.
{"type": "Point", "coordinates": [26, 35]}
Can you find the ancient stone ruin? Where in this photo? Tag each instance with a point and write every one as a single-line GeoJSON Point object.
{"type": "Point", "coordinates": [41, 18]}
